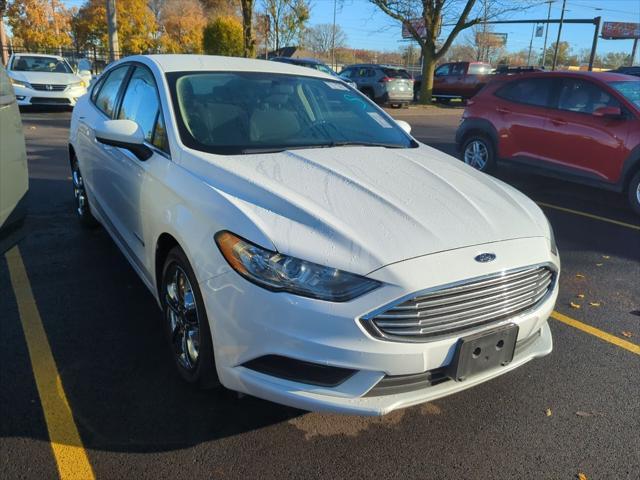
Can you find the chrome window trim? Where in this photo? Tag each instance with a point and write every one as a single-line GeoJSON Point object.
{"type": "Point", "coordinates": [370, 327]}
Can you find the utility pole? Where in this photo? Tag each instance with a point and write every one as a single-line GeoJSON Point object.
{"type": "Point", "coordinates": [546, 34]}
{"type": "Point", "coordinates": [555, 52]}
{"type": "Point", "coordinates": [531, 45]}
{"type": "Point", "coordinates": [633, 52]}
{"type": "Point", "coordinates": [114, 48]}
{"type": "Point", "coordinates": [485, 47]}
{"type": "Point", "coordinates": [333, 38]}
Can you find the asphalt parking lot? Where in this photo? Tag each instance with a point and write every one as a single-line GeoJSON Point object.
{"type": "Point", "coordinates": [574, 411]}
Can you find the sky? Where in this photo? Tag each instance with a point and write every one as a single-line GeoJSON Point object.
{"type": "Point", "coordinates": [368, 28]}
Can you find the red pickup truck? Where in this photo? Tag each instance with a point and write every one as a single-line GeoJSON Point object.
{"type": "Point", "coordinates": [457, 80]}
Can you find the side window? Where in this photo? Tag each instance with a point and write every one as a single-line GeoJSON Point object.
{"type": "Point", "coordinates": [108, 93]}
{"type": "Point", "coordinates": [140, 102]}
{"type": "Point", "coordinates": [458, 69]}
{"type": "Point", "coordinates": [531, 91]}
{"type": "Point", "coordinates": [580, 96]}
{"type": "Point", "coordinates": [346, 72]}
{"type": "Point", "coordinates": [96, 89]}
{"type": "Point", "coordinates": [442, 70]}
{"type": "Point", "coordinates": [362, 72]}
{"type": "Point", "coordinates": [371, 72]}
{"type": "Point", "coordinates": [159, 139]}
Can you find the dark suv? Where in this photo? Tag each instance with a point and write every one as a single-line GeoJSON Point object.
{"type": "Point", "coordinates": [383, 84]}
{"type": "Point", "coordinates": [580, 126]}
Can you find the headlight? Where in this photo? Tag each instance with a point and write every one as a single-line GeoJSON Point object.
{"type": "Point", "coordinates": [552, 239]}
{"type": "Point", "coordinates": [80, 84]}
{"type": "Point", "coordinates": [20, 83]}
{"type": "Point", "coordinates": [282, 273]}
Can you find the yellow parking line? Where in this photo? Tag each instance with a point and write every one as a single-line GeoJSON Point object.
{"type": "Point", "coordinates": [607, 337]}
{"type": "Point", "coordinates": [590, 215]}
{"type": "Point", "coordinates": [70, 455]}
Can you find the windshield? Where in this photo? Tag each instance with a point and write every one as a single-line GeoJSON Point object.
{"type": "Point", "coordinates": [323, 68]}
{"type": "Point", "coordinates": [630, 90]}
{"type": "Point", "coordinates": [396, 73]}
{"type": "Point", "coordinates": [479, 69]}
{"type": "Point", "coordinates": [40, 64]}
{"type": "Point", "coordinates": [249, 112]}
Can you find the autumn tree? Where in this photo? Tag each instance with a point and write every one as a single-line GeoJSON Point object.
{"type": "Point", "coordinates": [426, 19]}
{"type": "Point", "coordinates": [223, 36]}
{"type": "Point", "coordinates": [220, 8]}
{"type": "Point", "coordinates": [181, 23]}
{"type": "Point", "coordinates": [136, 25]}
{"type": "Point", "coordinates": [319, 39]}
{"type": "Point", "coordinates": [40, 24]}
{"type": "Point", "coordinates": [288, 20]}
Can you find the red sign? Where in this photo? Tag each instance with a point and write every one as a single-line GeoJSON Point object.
{"type": "Point", "coordinates": [620, 30]}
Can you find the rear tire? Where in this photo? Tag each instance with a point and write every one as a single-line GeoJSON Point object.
{"type": "Point", "coordinates": [633, 193]}
{"type": "Point", "coordinates": [478, 152]}
{"type": "Point", "coordinates": [83, 211]}
{"type": "Point", "coordinates": [186, 323]}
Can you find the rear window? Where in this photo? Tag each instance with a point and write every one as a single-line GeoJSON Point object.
{"type": "Point", "coordinates": [479, 69]}
{"type": "Point", "coordinates": [530, 91]}
{"type": "Point", "coordinates": [396, 73]}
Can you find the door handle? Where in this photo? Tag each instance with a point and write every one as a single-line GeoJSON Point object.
{"type": "Point", "coordinates": [502, 110]}
{"type": "Point", "coordinates": [558, 121]}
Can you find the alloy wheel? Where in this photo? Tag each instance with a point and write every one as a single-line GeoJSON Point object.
{"type": "Point", "coordinates": [78, 190]}
{"type": "Point", "coordinates": [182, 317]}
{"type": "Point", "coordinates": [476, 154]}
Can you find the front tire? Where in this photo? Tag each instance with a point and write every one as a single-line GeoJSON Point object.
{"type": "Point", "coordinates": [633, 193]}
{"type": "Point", "coordinates": [478, 152]}
{"type": "Point", "coordinates": [186, 322]}
{"type": "Point", "coordinates": [83, 211]}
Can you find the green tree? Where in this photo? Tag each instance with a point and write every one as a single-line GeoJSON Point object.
{"type": "Point", "coordinates": [288, 21]}
{"type": "Point", "coordinates": [223, 36]}
{"type": "Point", "coordinates": [564, 53]}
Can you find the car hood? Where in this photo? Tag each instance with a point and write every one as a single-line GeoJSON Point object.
{"type": "Point", "coordinates": [361, 208]}
{"type": "Point", "coordinates": [45, 77]}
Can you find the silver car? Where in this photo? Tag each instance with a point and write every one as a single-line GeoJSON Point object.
{"type": "Point", "coordinates": [386, 85]}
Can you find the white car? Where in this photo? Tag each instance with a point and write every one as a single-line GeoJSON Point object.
{"type": "Point", "coordinates": [303, 247]}
{"type": "Point", "coordinates": [44, 80]}
{"type": "Point", "coordinates": [14, 175]}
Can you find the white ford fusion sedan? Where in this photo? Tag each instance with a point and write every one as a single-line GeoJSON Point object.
{"type": "Point", "coordinates": [303, 247]}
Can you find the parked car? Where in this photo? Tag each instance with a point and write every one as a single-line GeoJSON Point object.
{"type": "Point", "coordinates": [383, 84]}
{"type": "Point", "coordinates": [44, 80]}
{"type": "Point", "coordinates": [579, 126]}
{"type": "Point", "coordinates": [457, 80]}
{"type": "Point", "coordinates": [315, 64]}
{"type": "Point", "coordinates": [303, 247]}
{"type": "Point", "coordinates": [635, 71]}
{"type": "Point", "coordinates": [14, 177]}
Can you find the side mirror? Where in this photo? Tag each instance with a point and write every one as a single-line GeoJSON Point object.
{"type": "Point", "coordinates": [124, 134]}
{"type": "Point", "coordinates": [404, 126]}
{"type": "Point", "coordinates": [607, 112]}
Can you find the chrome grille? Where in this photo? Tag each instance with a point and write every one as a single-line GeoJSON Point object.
{"type": "Point", "coordinates": [45, 87]}
{"type": "Point", "coordinates": [465, 305]}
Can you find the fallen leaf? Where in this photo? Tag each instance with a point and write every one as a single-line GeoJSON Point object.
{"type": "Point", "coordinates": [579, 275]}
{"type": "Point", "coordinates": [627, 334]}
{"type": "Point", "coordinates": [574, 305]}
{"type": "Point", "coordinates": [599, 264]}
{"type": "Point", "coordinates": [583, 414]}
{"type": "Point", "coordinates": [32, 127]}
{"type": "Point", "coordinates": [580, 295]}
{"type": "Point", "coordinates": [606, 257]}
{"type": "Point", "coordinates": [595, 304]}
{"type": "Point", "coordinates": [582, 476]}
{"type": "Point", "coordinates": [548, 412]}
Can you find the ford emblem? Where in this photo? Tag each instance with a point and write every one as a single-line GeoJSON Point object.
{"type": "Point", "coordinates": [485, 257]}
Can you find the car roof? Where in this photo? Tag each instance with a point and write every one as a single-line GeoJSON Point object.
{"type": "Point", "coordinates": [297, 60]}
{"type": "Point", "coordinates": [599, 76]}
{"type": "Point", "coordinates": [45, 55]}
{"type": "Point", "coordinates": [199, 63]}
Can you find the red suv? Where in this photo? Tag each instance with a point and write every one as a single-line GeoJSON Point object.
{"type": "Point", "coordinates": [579, 126]}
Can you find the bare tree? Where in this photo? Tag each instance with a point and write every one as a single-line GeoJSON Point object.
{"type": "Point", "coordinates": [424, 20]}
{"type": "Point", "coordinates": [3, 37]}
{"type": "Point", "coordinates": [288, 20]}
{"type": "Point", "coordinates": [319, 38]}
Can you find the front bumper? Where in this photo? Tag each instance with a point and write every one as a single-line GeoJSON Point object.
{"type": "Point", "coordinates": [29, 96]}
{"type": "Point", "coordinates": [249, 322]}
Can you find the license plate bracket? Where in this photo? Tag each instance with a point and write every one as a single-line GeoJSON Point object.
{"type": "Point", "coordinates": [483, 351]}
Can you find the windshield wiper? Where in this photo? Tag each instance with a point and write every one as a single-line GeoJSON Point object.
{"type": "Point", "coordinates": [362, 144]}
